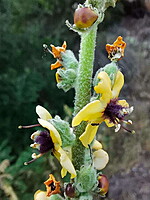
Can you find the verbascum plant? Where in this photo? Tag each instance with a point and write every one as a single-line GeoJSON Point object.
{"type": "Point", "coordinates": [81, 156]}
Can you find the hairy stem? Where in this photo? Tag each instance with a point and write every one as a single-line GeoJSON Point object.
{"type": "Point", "coordinates": [83, 88]}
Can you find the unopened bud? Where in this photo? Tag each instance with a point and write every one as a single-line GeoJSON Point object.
{"type": "Point", "coordinates": [70, 190]}
{"type": "Point", "coordinates": [103, 184]}
{"type": "Point", "coordinates": [84, 17]}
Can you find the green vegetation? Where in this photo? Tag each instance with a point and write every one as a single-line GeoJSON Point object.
{"type": "Point", "coordinates": [26, 81]}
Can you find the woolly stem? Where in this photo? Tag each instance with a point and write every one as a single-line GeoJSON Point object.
{"type": "Point", "coordinates": [83, 88]}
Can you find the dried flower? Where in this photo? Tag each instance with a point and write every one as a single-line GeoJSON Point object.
{"type": "Point", "coordinates": [56, 51]}
{"type": "Point", "coordinates": [116, 50]}
{"type": "Point", "coordinates": [52, 186]}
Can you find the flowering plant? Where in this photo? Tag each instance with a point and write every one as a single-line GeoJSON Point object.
{"type": "Point", "coordinates": [75, 146]}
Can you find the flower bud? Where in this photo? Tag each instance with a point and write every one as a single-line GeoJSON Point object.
{"type": "Point", "coordinates": [70, 190]}
{"type": "Point", "coordinates": [103, 184]}
{"type": "Point", "coordinates": [64, 130]}
{"type": "Point", "coordinates": [66, 78]}
{"type": "Point", "coordinates": [111, 69]}
{"type": "Point", "coordinates": [86, 179]}
{"type": "Point", "coordinates": [84, 17]}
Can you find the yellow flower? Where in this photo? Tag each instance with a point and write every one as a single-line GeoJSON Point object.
{"type": "Point", "coordinates": [116, 50]}
{"type": "Point", "coordinates": [52, 187]}
{"type": "Point", "coordinates": [50, 139]}
{"type": "Point", "coordinates": [56, 51]}
{"type": "Point", "coordinates": [108, 108]}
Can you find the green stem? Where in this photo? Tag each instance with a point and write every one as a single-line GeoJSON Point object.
{"type": "Point", "coordinates": [83, 88]}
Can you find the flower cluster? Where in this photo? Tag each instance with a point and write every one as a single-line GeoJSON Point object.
{"type": "Point", "coordinates": [57, 136]}
{"type": "Point", "coordinates": [50, 139]}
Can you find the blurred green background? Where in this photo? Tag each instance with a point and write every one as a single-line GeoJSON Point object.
{"type": "Point", "coordinates": [26, 81]}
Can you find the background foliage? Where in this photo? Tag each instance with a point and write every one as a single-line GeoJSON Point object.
{"type": "Point", "coordinates": [26, 81]}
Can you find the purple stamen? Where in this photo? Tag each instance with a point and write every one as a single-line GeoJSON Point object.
{"type": "Point", "coordinates": [30, 126]}
{"type": "Point", "coordinates": [31, 161]}
{"type": "Point", "coordinates": [113, 112]}
{"type": "Point", "coordinates": [128, 130]}
{"type": "Point", "coordinates": [34, 159]}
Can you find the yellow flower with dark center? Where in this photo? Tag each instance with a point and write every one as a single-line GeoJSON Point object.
{"type": "Point", "coordinates": [108, 108]}
{"type": "Point", "coordinates": [52, 187]}
{"type": "Point", "coordinates": [50, 139]}
{"type": "Point", "coordinates": [56, 51]}
{"type": "Point", "coordinates": [116, 50]}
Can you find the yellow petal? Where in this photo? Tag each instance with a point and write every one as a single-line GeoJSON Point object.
{"type": "Point", "coordinates": [53, 132]}
{"type": "Point", "coordinates": [119, 82]}
{"type": "Point", "coordinates": [89, 134]}
{"type": "Point", "coordinates": [97, 145]}
{"type": "Point", "coordinates": [58, 77]}
{"type": "Point", "coordinates": [55, 151]}
{"type": "Point", "coordinates": [123, 103]}
{"type": "Point", "coordinates": [104, 87]}
{"type": "Point", "coordinates": [108, 123]}
{"type": "Point", "coordinates": [66, 163]}
{"type": "Point", "coordinates": [100, 158]}
{"type": "Point", "coordinates": [58, 151]}
{"type": "Point", "coordinates": [91, 112]}
{"type": "Point", "coordinates": [40, 195]}
{"type": "Point", "coordinates": [63, 172]}
{"type": "Point", "coordinates": [43, 113]}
